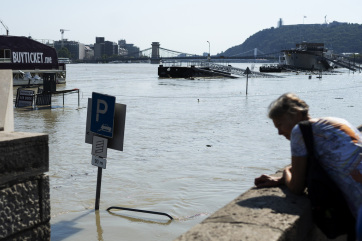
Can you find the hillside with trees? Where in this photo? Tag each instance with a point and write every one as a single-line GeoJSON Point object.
{"type": "Point", "coordinates": [339, 37]}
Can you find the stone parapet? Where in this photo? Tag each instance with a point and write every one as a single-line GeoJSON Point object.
{"type": "Point", "coordinates": [22, 155]}
{"type": "Point", "coordinates": [24, 189]}
{"type": "Point", "coordinates": [270, 214]}
{"type": "Point", "coordinates": [6, 100]}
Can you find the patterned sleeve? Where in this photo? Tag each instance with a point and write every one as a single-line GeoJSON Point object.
{"type": "Point", "coordinates": [297, 144]}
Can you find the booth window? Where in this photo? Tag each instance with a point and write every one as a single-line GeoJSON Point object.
{"type": "Point", "coordinates": [5, 56]}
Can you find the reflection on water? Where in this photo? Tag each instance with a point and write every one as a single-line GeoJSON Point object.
{"type": "Point", "coordinates": [99, 227]}
{"type": "Point", "coordinates": [190, 146]}
{"type": "Point", "coordinates": [67, 228]}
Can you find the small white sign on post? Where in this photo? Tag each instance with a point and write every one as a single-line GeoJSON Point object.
{"type": "Point", "coordinates": [99, 146]}
{"type": "Point", "coordinates": [99, 162]}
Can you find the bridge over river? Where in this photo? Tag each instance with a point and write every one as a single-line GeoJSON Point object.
{"type": "Point", "coordinates": [157, 54]}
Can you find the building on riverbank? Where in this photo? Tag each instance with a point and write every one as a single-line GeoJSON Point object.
{"type": "Point", "coordinates": [76, 49]}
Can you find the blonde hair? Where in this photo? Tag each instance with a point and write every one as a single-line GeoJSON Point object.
{"type": "Point", "coordinates": [287, 103]}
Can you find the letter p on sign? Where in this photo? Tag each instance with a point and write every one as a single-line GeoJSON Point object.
{"type": "Point", "coordinates": [99, 110]}
{"type": "Point", "coordinates": [102, 116]}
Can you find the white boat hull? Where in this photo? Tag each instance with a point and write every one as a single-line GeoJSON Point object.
{"type": "Point", "coordinates": [19, 82]}
{"type": "Point", "coordinates": [34, 77]}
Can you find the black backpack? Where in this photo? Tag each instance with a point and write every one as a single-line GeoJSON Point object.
{"type": "Point", "coordinates": [329, 208]}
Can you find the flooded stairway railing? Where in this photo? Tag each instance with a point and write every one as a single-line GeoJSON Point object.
{"type": "Point", "coordinates": [140, 211]}
{"type": "Point", "coordinates": [345, 64]}
{"type": "Point", "coordinates": [221, 68]}
{"type": "Point", "coordinates": [234, 70]}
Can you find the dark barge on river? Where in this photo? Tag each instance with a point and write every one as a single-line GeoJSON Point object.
{"type": "Point", "coordinates": [205, 69]}
{"type": "Point", "coordinates": [271, 68]}
{"type": "Point", "coordinates": [191, 72]}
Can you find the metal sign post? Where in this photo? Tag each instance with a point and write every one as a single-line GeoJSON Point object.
{"type": "Point", "coordinates": [99, 155]}
{"type": "Point", "coordinates": [105, 128]}
{"type": "Point", "coordinates": [102, 121]}
{"type": "Point", "coordinates": [247, 72]}
{"type": "Point", "coordinates": [98, 191]}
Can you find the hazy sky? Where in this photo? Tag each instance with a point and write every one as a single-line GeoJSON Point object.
{"type": "Point", "coordinates": [184, 25]}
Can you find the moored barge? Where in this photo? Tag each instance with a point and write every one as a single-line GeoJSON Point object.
{"type": "Point", "coordinates": [192, 71]}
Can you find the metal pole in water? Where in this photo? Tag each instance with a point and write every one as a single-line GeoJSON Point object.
{"type": "Point", "coordinates": [247, 78]}
{"type": "Point", "coordinates": [247, 72]}
{"type": "Point", "coordinates": [98, 192]}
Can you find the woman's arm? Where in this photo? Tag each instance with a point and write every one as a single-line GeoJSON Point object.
{"type": "Point", "coordinates": [294, 176]}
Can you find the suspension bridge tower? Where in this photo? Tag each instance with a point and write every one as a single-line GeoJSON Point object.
{"type": "Point", "coordinates": [155, 58]}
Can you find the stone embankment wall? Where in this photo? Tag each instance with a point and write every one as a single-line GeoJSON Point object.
{"type": "Point", "coordinates": [24, 188]}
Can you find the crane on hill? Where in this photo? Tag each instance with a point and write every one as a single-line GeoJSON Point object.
{"type": "Point", "coordinates": [6, 28]}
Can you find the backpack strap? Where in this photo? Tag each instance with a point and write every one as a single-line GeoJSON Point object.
{"type": "Point", "coordinates": [306, 129]}
{"type": "Point", "coordinates": [329, 208]}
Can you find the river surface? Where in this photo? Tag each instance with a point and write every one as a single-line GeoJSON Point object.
{"type": "Point", "coordinates": [190, 146]}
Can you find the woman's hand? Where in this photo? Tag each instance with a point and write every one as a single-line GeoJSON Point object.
{"type": "Point", "coordinates": [268, 181]}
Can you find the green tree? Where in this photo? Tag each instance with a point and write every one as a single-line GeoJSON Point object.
{"type": "Point", "coordinates": [64, 53]}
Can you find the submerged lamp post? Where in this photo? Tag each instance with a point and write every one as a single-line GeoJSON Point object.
{"type": "Point", "coordinates": [209, 57]}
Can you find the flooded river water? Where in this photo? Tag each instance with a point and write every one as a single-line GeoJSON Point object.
{"type": "Point", "coordinates": [190, 146]}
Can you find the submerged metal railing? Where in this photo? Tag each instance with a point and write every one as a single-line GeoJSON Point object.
{"type": "Point", "coordinates": [235, 71]}
{"type": "Point", "coordinates": [140, 211]}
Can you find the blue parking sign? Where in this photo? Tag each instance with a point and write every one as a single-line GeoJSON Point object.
{"type": "Point", "coordinates": [102, 117]}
